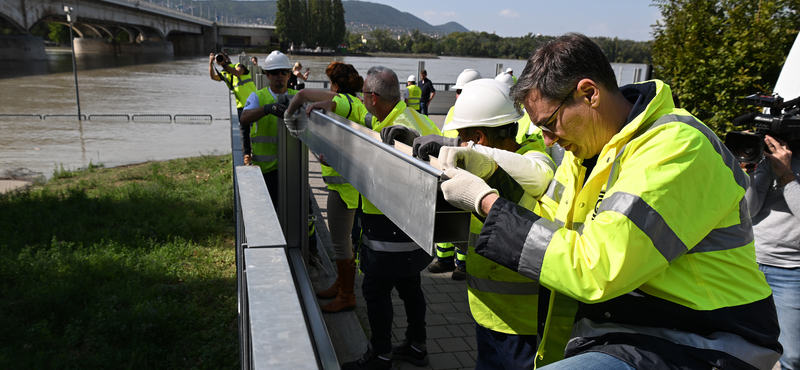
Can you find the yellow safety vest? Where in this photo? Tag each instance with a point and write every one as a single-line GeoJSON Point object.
{"type": "Point", "coordinates": [242, 86]}
{"type": "Point", "coordinates": [505, 301]}
{"type": "Point", "coordinates": [400, 115]}
{"type": "Point", "coordinates": [264, 135]}
{"type": "Point", "coordinates": [350, 107]}
{"type": "Point", "coordinates": [414, 93]}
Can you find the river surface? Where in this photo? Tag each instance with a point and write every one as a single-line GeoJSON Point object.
{"type": "Point", "coordinates": [138, 85]}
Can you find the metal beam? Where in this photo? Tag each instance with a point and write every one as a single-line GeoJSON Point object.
{"type": "Point", "coordinates": [405, 189]}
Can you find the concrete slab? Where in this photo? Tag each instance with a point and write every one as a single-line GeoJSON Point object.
{"type": "Point", "coordinates": [11, 185]}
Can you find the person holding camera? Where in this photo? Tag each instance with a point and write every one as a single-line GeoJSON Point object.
{"type": "Point", "coordinates": [773, 200]}
{"type": "Point", "coordinates": [239, 80]}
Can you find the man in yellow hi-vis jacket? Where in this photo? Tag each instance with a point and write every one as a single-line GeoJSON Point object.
{"type": "Point", "coordinates": [645, 223]}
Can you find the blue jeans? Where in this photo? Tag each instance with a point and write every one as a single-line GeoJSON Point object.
{"type": "Point", "coordinates": [378, 296]}
{"type": "Point", "coordinates": [590, 361]}
{"type": "Point", "coordinates": [785, 284]}
{"type": "Point", "coordinates": [423, 108]}
{"type": "Point", "coordinates": [504, 351]}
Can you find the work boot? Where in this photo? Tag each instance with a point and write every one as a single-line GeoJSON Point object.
{"type": "Point", "coordinates": [346, 299]}
{"type": "Point", "coordinates": [370, 361]}
{"type": "Point", "coordinates": [440, 266]}
{"type": "Point", "coordinates": [460, 273]}
{"type": "Point", "coordinates": [413, 352]}
{"type": "Point", "coordinates": [333, 291]}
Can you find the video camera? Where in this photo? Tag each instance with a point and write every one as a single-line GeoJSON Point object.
{"type": "Point", "coordinates": [783, 121]}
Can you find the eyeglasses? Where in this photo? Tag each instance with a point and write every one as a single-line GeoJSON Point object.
{"type": "Point", "coordinates": [282, 72]}
{"type": "Point", "coordinates": [373, 93]}
{"type": "Point", "coordinates": [550, 126]}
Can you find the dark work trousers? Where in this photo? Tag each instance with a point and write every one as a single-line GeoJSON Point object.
{"type": "Point", "coordinates": [271, 178]}
{"type": "Point", "coordinates": [244, 132]}
{"type": "Point", "coordinates": [504, 351]}
{"type": "Point", "coordinates": [378, 295]}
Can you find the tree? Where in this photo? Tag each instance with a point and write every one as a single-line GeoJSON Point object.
{"type": "Point", "coordinates": [339, 29]}
{"type": "Point", "coordinates": [713, 53]}
{"type": "Point", "coordinates": [59, 33]}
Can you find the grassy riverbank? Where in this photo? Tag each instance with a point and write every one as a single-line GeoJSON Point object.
{"type": "Point", "coordinates": [129, 268]}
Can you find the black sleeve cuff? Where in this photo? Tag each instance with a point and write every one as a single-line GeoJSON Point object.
{"type": "Point", "coordinates": [504, 233]}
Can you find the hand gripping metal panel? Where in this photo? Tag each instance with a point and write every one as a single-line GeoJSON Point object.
{"type": "Point", "coordinates": [404, 188]}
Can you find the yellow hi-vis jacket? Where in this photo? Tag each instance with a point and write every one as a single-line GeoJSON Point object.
{"type": "Point", "coordinates": [242, 86]}
{"type": "Point", "coordinates": [264, 134]}
{"type": "Point", "coordinates": [372, 218]}
{"type": "Point", "coordinates": [504, 301]}
{"type": "Point", "coordinates": [350, 107]}
{"type": "Point", "coordinates": [657, 246]}
{"type": "Point", "coordinates": [414, 93]}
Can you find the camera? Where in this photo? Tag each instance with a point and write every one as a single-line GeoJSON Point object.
{"type": "Point", "coordinates": [219, 58]}
{"type": "Point", "coordinates": [781, 120]}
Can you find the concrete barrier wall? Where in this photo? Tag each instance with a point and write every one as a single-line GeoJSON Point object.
{"type": "Point", "coordinates": [100, 46]}
{"type": "Point", "coordinates": [22, 48]}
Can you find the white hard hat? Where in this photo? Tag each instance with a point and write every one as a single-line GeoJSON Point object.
{"type": "Point", "coordinates": [509, 70]}
{"type": "Point", "coordinates": [506, 79]}
{"type": "Point", "coordinates": [483, 103]}
{"type": "Point", "coordinates": [468, 75]}
{"type": "Point", "coordinates": [412, 78]}
{"type": "Point", "coordinates": [276, 60]}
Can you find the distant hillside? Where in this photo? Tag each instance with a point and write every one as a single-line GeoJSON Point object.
{"type": "Point", "coordinates": [364, 16]}
{"type": "Point", "coordinates": [360, 16]}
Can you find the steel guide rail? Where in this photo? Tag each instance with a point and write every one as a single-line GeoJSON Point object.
{"type": "Point", "coordinates": [406, 189]}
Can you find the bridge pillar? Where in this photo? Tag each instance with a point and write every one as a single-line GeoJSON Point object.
{"type": "Point", "coordinates": [210, 39]}
{"type": "Point", "coordinates": [22, 48]}
{"type": "Point", "coordinates": [101, 46]}
{"type": "Point", "coordinates": [187, 44]}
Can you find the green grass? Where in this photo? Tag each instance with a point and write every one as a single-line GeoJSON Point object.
{"type": "Point", "coordinates": [121, 268]}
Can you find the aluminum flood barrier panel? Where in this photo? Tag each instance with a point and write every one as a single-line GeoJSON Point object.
{"type": "Point", "coordinates": [406, 189]}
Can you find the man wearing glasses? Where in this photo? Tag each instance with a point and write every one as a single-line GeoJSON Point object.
{"type": "Point", "coordinates": [645, 223]}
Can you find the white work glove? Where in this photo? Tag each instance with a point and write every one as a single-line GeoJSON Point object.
{"type": "Point", "coordinates": [465, 190]}
{"type": "Point", "coordinates": [290, 120]}
{"type": "Point", "coordinates": [532, 170]}
{"type": "Point", "coordinates": [476, 163]}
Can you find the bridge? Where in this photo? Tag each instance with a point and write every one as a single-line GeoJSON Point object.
{"type": "Point", "coordinates": [150, 28]}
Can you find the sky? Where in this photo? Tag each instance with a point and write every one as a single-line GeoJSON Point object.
{"type": "Point", "coordinates": [628, 19]}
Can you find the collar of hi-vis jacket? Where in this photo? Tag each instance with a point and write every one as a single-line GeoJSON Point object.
{"type": "Point", "coordinates": [654, 105]}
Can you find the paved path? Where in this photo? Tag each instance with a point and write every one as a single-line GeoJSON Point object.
{"type": "Point", "coordinates": [450, 327]}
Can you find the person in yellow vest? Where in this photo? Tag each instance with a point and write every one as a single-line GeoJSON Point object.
{"type": "Point", "coordinates": [504, 304]}
{"type": "Point", "coordinates": [412, 93]}
{"type": "Point", "coordinates": [448, 257]}
{"type": "Point", "coordinates": [342, 197]}
{"type": "Point", "coordinates": [261, 112]}
{"type": "Point", "coordinates": [239, 80]}
{"type": "Point", "coordinates": [645, 223]}
{"type": "Point", "coordinates": [389, 258]}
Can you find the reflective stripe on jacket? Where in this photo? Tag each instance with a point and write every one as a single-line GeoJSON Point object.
{"type": "Point", "coordinates": [657, 245]}
{"type": "Point", "coordinates": [264, 135]}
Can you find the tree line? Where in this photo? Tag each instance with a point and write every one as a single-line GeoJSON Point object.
{"type": "Point", "coordinates": [310, 22]}
{"type": "Point", "coordinates": [487, 45]}
{"type": "Point", "coordinates": [713, 53]}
